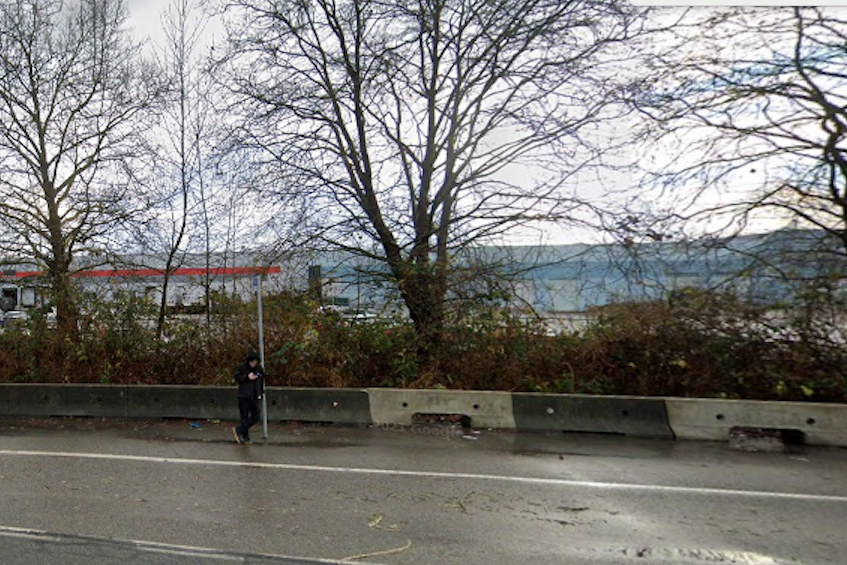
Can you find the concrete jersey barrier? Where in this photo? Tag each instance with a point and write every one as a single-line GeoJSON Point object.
{"type": "Point", "coordinates": [713, 419]}
{"type": "Point", "coordinates": [326, 405]}
{"type": "Point", "coordinates": [182, 401]}
{"type": "Point", "coordinates": [632, 416]}
{"type": "Point", "coordinates": [680, 418]}
{"type": "Point", "coordinates": [104, 401]}
{"type": "Point", "coordinates": [486, 409]}
{"type": "Point", "coordinates": [338, 406]}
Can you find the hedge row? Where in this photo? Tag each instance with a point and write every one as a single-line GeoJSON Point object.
{"type": "Point", "coordinates": [699, 345]}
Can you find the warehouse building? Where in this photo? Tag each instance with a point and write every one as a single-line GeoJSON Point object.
{"type": "Point", "coordinates": [561, 281]}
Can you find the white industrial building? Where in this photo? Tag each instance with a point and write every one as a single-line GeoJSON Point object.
{"type": "Point", "coordinates": [548, 280]}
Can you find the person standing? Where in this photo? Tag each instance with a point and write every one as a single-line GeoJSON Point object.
{"type": "Point", "coordinates": [250, 378]}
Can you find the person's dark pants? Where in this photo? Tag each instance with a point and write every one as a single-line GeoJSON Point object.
{"type": "Point", "coordinates": [249, 410]}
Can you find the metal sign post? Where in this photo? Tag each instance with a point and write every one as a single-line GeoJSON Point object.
{"type": "Point", "coordinates": [257, 284]}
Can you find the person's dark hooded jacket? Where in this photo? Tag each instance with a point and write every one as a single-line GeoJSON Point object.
{"type": "Point", "coordinates": [246, 387]}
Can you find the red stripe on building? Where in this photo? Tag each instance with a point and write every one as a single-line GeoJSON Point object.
{"type": "Point", "coordinates": [126, 273]}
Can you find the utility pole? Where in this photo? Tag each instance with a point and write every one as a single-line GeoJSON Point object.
{"type": "Point", "coordinates": [257, 284]}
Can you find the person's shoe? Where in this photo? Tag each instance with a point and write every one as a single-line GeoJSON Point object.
{"type": "Point", "coordinates": [246, 440]}
{"type": "Point", "coordinates": [236, 435]}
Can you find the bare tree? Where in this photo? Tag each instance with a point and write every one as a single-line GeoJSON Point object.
{"type": "Point", "coordinates": [750, 107]}
{"type": "Point", "coordinates": [416, 127]}
{"type": "Point", "coordinates": [70, 89]}
{"type": "Point", "coordinates": [205, 215]}
{"type": "Point", "coordinates": [183, 130]}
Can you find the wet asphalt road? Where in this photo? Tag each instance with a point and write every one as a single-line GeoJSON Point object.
{"type": "Point", "coordinates": [416, 497]}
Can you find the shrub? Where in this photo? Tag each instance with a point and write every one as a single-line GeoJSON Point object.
{"type": "Point", "coordinates": [695, 344]}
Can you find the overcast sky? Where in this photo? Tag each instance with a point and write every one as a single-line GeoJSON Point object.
{"type": "Point", "coordinates": [145, 19]}
{"type": "Point", "coordinates": [146, 23]}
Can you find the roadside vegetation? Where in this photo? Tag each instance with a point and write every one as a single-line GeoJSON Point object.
{"type": "Point", "coordinates": [697, 344]}
{"type": "Point", "coordinates": [408, 135]}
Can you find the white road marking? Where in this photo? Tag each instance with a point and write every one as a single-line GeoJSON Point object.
{"type": "Point", "coordinates": [667, 554]}
{"type": "Point", "coordinates": [432, 475]}
{"type": "Point", "coordinates": [153, 547]}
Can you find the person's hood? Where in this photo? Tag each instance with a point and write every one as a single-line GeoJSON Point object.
{"type": "Point", "coordinates": [253, 356]}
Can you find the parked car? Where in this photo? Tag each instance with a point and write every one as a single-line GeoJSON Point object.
{"type": "Point", "coordinates": [348, 313]}
{"type": "Point", "coordinates": [14, 317]}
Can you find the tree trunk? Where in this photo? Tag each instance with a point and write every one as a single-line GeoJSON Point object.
{"type": "Point", "coordinates": [163, 304]}
{"type": "Point", "coordinates": [423, 293]}
{"type": "Point", "coordinates": [63, 294]}
{"type": "Point", "coordinates": [207, 252]}
{"type": "Point", "coordinates": [59, 265]}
